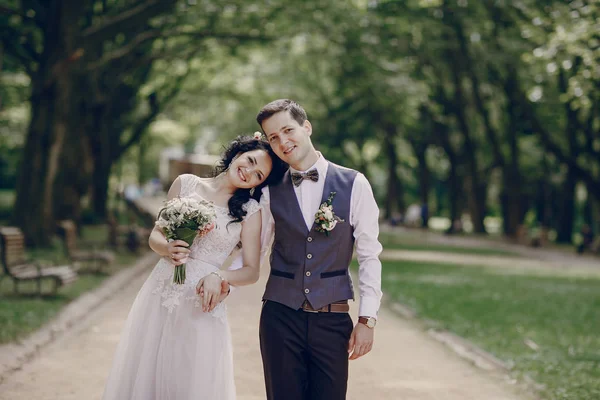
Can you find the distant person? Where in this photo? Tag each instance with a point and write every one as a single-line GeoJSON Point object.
{"type": "Point", "coordinates": [397, 219]}
{"type": "Point", "coordinates": [587, 239]}
{"type": "Point", "coordinates": [424, 215]}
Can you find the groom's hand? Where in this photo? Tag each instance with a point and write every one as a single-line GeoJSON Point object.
{"type": "Point", "coordinates": [361, 341]}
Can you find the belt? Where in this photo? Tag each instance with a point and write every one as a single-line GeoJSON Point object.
{"type": "Point", "coordinates": [337, 307]}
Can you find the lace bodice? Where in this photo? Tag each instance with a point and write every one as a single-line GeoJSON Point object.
{"type": "Point", "coordinates": [215, 247]}
{"type": "Point", "coordinates": [207, 253]}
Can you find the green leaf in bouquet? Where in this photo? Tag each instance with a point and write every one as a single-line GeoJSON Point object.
{"type": "Point", "coordinates": [186, 234]}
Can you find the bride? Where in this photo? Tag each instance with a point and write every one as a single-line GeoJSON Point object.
{"type": "Point", "coordinates": [170, 348]}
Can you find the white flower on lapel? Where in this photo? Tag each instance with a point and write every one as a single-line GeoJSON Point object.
{"type": "Point", "coordinates": [325, 218]}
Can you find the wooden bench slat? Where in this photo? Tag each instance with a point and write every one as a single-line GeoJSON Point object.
{"type": "Point", "coordinates": [15, 265]}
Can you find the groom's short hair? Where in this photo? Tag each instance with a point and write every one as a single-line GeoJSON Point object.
{"type": "Point", "coordinates": [295, 110]}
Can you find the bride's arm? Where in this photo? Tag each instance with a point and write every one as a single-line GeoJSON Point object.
{"type": "Point", "coordinates": [250, 238]}
{"type": "Point", "coordinates": [247, 275]}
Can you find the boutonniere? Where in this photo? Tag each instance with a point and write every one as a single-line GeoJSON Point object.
{"type": "Point", "coordinates": [325, 218]}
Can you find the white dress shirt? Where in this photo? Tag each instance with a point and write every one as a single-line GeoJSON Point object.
{"type": "Point", "coordinates": [364, 216]}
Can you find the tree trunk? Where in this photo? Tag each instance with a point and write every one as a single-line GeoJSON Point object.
{"type": "Point", "coordinates": [513, 207]}
{"type": "Point", "coordinates": [394, 201]}
{"type": "Point", "coordinates": [424, 176]}
{"type": "Point", "coordinates": [475, 188]}
{"type": "Point", "coordinates": [99, 190]}
{"type": "Point", "coordinates": [52, 89]}
{"type": "Point", "coordinates": [103, 154]}
{"type": "Point", "coordinates": [567, 211]}
{"type": "Point", "coordinates": [33, 211]}
{"type": "Point", "coordinates": [454, 185]}
{"type": "Point", "coordinates": [73, 176]}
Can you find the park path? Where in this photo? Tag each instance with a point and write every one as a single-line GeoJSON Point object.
{"type": "Point", "coordinates": [540, 256]}
{"type": "Point", "coordinates": [507, 264]}
{"type": "Point", "coordinates": [405, 363]}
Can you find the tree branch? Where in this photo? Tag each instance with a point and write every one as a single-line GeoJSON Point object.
{"type": "Point", "coordinates": [155, 108]}
{"type": "Point", "coordinates": [11, 11]}
{"type": "Point", "coordinates": [125, 50]}
{"type": "Point", "coordinates": [138, 14]}
{"type": "Point", "coordinates": [156, 34]}
{"type": "Point", "coordinates": [24, 54]}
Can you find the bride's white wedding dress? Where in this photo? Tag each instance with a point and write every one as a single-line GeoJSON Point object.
{"type": "Point", "coordinates": [169, 349]}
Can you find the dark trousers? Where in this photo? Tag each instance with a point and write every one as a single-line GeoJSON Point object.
{"type": "Point", "coordinates": [305, 355]}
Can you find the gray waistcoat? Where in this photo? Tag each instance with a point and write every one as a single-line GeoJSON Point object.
{"type": "Point", "coordinates": [309, 265]}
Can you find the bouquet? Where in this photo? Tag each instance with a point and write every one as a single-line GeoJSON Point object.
{"type": "Point", "coordinates": [185, 219]}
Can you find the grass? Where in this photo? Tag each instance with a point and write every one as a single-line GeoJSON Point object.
{"type": "Point", "coordinates": [7, 199]}
{"type": "Point", "coordinates": [501, 312]}
{"type": "Point", "coordinates": [402, 242]}
{"type": "Point", "coordinates": [23, 313]}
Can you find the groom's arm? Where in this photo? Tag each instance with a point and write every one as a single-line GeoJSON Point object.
{"type": "Point", "coordinates": [364, 218]}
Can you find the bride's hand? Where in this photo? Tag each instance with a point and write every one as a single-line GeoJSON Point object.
{"type": "Point", "coordinates": [178, 252]}
{"type": "Point", "coordinates": [210, 289]}
{"type": "Point", "coordinates": [225, 290]}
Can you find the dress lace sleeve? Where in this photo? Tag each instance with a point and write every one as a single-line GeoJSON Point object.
{"type": "Point", "coordinates": [251, 207]}
{"type": "Point", "coordinates": [188, 184]}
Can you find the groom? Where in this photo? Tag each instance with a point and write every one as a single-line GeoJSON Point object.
{"type": "Point", "coordinates": [306, 333]}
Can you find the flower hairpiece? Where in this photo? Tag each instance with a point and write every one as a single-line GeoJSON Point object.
{"type": "Point", "coordinates": [257, 135]}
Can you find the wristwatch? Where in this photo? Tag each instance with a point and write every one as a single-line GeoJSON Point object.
{"type": "Point", "coordinates": [370, 322]}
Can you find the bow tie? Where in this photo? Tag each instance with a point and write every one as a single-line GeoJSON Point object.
{"type": "Point", "coordinates": [298, 177]}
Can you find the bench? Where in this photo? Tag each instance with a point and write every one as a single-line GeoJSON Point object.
{"type": "Point", "coordinates": [532, 237]}
{"type": "Point", "coordinates": [130, 236]}
{"type": "Point", "coordinates": [19, 269]}
{"type": "Point", "coordinates": [90, 259]}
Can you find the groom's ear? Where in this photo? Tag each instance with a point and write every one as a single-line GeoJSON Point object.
{"type": "Point", "coordinates": [307, 125]}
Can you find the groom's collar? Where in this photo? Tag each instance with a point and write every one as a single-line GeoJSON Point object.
{"type": "Point", "coordinates": [321, 166]}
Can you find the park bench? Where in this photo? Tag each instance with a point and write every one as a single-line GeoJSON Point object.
{"type": "Point", "coordinates": [19, 269]}
{"type": "Point", "coordinates": [93, 259]}
{"type": "Point", "coordinates": [531, 237]}
{"type": "Point", "coordinates": [131, 236]}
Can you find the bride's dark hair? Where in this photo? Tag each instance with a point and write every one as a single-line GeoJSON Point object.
{"type": "Point", "coordinates": [243, 144]}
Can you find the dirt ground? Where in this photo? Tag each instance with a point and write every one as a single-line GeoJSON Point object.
{"type": "Point", "coordinates": [406, 363]}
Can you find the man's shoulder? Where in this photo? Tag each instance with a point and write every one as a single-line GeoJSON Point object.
{"type": "Point", "coordinates": [279, 180]}
{"type": "Point", "coordinates": [344, 170]}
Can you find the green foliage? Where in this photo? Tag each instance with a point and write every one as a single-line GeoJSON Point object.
{"type": "Point", "coordinates": [483, 89]}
